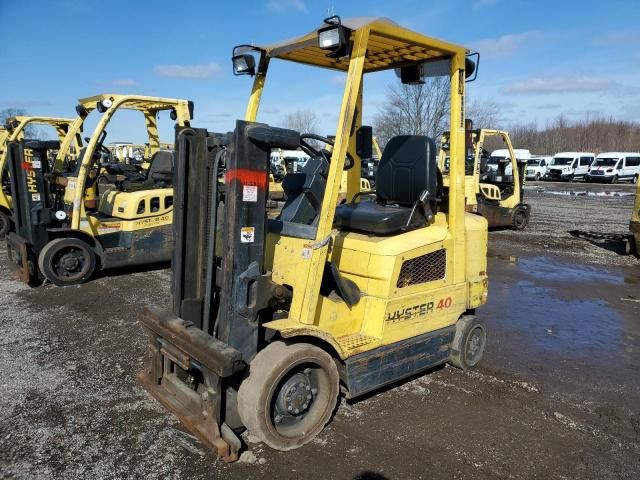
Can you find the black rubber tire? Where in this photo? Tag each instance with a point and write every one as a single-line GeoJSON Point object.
{"type": "Point", "coordinates": [537, 177]}
{"type": "Point", "coordinates": [5, 224]}
{"type": "Point", "coordinates": [271, 370]}
{"type": "Point", "coordinates": [469, 343]}
{"type": "Point", "coordinates": [634, 180]}
{"type": "Point", "coordinates": [614, 180]}
{"type": "Point", "coordinates": [50, 256]}
{"type": "Point", "coordinates": [519, 220]}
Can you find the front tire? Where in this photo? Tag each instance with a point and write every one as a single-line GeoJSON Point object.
{"type": "Point", "coordinates": [5, 224]}
{"type": "Point", "coordinates": [537, 177]}
{"type": "Point", "coordinates": [520, 220]}
{"type": "Point", "coordinates": [634, 180]}
{"type": "Point", "coordinates": [614, 180]}
{"type": "Point", "coordinates": [469, 343]}
{"type": "Point", "coordinates": [289, 395]}
{"type": "Point", "coordinates": [67, 261]}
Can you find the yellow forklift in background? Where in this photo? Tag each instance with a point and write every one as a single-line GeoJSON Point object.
{"type": "Point", "coordinates": [634, 225]}
{"type": "Point", "coordinates": [272, 317]}
{"type": "Point", "coordinates": [66, 223]}
{"type": "Point", "coordinates": [496, 195]}
{"type": "Point", "coordinates": [14, 131]}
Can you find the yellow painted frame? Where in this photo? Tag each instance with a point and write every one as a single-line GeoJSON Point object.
{"type": "Point", "coordinates": [308, 310]}
{"type": "Point", "coordinates": [149, 106]}
{"type": "Point", "coordinates": [16, 132]}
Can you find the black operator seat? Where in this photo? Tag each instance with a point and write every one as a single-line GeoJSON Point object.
{"type": "Point", "coordinates": [406, 171]}
{"type": "Point", "coordinates": [159, 174]}
{"type": "Point", "coordinates": [160, 171]}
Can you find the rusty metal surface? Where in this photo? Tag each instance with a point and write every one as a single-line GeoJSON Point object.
{"type": "Point", "coordinates": [18, 252]}
{"type": "Point", "coordinates": [217, 356]}
{"type": "Point", "coordinates": [202, 425]}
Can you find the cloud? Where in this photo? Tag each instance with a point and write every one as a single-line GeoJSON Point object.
{"type": "Point", "coordinates": [561, 84]}
{"type": "Point", "coordinates": [617, 39]}
{"type": "Point", "coordinates": [188, 71]}
{"type": "Point", "coordinates": [338, 79]}
{"type": "Point", "coordinates": [283, 5]}
{"type": "Point", "coordinates": [547, 106]}
{"type": "Point", "coordinates": [503, 46]}
{"type": "Point", "coordinates": [484, 3]}
{"type": "Point", "coordinates": [124, 82]}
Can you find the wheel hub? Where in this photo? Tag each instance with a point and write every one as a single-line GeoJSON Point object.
{"type": "Point", "coordinates": [295, 396]}
{"type": "Point", "coordinates": [69, 262]}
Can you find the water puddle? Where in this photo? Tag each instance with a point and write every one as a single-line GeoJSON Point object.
{"type": "Point", "coordinates": [550, 270]}
{"type": "Point", "coordinates": [549, 303]}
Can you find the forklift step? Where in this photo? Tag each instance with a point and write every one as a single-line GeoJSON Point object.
{"type": "Point", "coordinates": [357, 340]}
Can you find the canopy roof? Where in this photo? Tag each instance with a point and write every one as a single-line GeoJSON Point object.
{"type": "Point", "coordinates": [24, 119]}
{"type": "Point", "coordinates": [134, 102]}
{"type": "Point", "coordinates": [389, 46]}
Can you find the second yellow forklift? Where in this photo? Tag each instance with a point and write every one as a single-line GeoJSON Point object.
{"type": "Point", "coordinates": [496, 194]}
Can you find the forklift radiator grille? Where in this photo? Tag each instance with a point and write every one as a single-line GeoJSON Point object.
{"type": "Point", "coordinates": [423, 269]}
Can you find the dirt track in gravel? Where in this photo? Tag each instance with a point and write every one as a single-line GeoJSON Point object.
{"type": "Point", "coordinates": [557, 395]}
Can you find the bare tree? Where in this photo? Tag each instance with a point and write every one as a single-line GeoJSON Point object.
{"type": "Point", "coordinates": [484, 113]}
{"type": "Point", "coordinates": [596, 135]}
{"type": "Point", "coordinates": [304, 121]}
{"type": "Point", "coordinates": [30, 130]}
{"type": "Point", "coordinates": [414, 110]}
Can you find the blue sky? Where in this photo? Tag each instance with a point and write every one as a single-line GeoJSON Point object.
{"type": "Point", "coordinates": [539, 58]}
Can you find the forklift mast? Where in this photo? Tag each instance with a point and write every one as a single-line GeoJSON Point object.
{"type": "Point", "coordinates": [199, 270]}
{"type": "Point", "coordinates": [33, 202]}
{"type": "Point", "coordinates": [219, 283]}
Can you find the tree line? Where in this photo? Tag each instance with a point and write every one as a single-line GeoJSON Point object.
{"type": "Point", "coordinates": [424, 110]}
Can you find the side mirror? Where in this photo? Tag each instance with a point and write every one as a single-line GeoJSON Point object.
{"type": "Point", "coordinates": [364, 142]}
{"type": "Point", "coordinates": [244, 64]}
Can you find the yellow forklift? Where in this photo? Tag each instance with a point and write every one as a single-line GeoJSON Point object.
{"type": "Point", "coordinates": [66, 223]}
{"type": "Point", "coordinates": [272, 317]}
{"type": "Point", "coordinates": [495, 194]}
{"type": "Point", "coordinates": [634, 225]}
{"type": "Point", "coordinates": [14, 131]}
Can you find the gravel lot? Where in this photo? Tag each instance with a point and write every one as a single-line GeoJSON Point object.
{"type": "Point", "coordinates": [557, 396]}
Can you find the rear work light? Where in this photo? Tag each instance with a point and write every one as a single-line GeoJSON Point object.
{"type": "Point", "coordinates": [334, 37]}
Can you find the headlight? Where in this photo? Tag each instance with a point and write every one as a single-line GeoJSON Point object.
{"type": "Point", "coordinates": [334, 37]}
{"type": "Point", "coordinates": [329, 39]}
{"type": "Point", "coordinates": [104, 105]}
{"type": "Point", "coordinates": [244, 64]}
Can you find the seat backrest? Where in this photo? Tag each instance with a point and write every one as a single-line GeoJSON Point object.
{"type": "Point", "coordinates": [161, 165]}
{"type": "Point", "coordinates": [407, 168]}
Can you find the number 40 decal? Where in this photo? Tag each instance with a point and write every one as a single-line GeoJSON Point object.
{"type": "Point", "coordinates": [444, 303]}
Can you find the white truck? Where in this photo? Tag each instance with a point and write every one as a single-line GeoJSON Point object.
{"type": "Point", "coordinates": [569, 166]}
{"type": "Point", "coordinates": [614, 167]}
{"type": "Point", "coordinates": [538, 168]}
{"type": "Point", "coordinates": [502, 155]}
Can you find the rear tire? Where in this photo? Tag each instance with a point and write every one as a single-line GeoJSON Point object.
{"type": "Point", "coordinates": [289, 395]}
{"type": "Point", "coordinates": [469, 343]}
{"type": "Point", "coordinates": [67, 261]}
{"type": "Point", "coordinates": [5, 224]}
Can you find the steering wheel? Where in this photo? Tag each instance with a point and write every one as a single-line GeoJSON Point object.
{"type": "Point", "coordinates": [309, 149]}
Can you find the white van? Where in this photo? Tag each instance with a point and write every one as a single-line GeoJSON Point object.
{"type": "Point", "coordinates": [538, 168]}
{"type": "Point", "coordinates": [569, 166]}
{"type": "Point", "coordinates": [613, 167]}
{"type": "Point", "coordinates": [503, 154]}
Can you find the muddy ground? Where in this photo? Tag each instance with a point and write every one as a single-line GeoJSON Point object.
{"type": "Point", "coordinates": [556, 397]}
